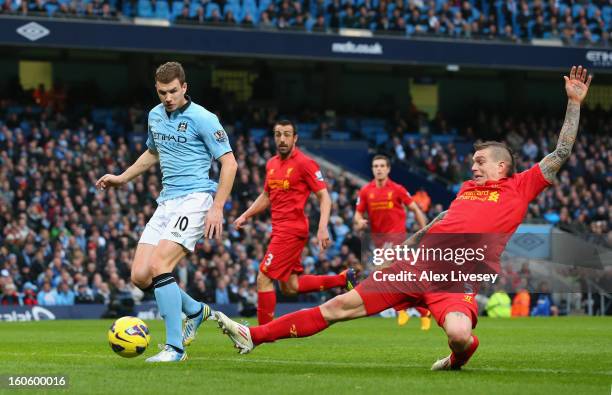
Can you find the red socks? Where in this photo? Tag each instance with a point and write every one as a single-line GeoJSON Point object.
{"type": "Point", "coordinates": [312, 283]}
{"type": "Point", "coordinates": [302, 323]}
{"type": "Point", "coordinates": [459, 359]}
{"type": "Point", "coordinates": [266, 303]}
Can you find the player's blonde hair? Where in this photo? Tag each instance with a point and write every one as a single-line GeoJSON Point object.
{"type": "Point", "coordinates": [170, 71]}
{"type": "Point", "coordinates": [502, 152]}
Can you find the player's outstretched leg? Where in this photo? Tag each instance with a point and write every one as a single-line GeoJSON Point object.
{"type": "Point", "coordinates": [301, 323]}
{"type": "Point", "coordinates": [462, 342]}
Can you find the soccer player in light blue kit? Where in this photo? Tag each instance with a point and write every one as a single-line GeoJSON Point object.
{"type": "Point", "coordinates": [184, 138]}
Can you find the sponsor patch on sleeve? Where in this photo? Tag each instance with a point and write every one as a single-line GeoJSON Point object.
{"type": "Point", "coordinates": [220, 136]}
{"type": "Point", "coordinates": [319, 175]}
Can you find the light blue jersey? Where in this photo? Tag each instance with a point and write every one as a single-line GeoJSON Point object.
{"type": "Point", "coordinates": [187, 141]}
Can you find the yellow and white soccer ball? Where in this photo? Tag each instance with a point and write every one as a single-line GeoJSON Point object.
{"type": "Point", "coordinates": [129, 336]}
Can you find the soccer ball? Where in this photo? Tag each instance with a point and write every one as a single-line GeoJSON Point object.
{"type": "Point", "coordinates": [129, 336]}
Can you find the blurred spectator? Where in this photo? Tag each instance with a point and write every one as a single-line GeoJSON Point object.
{"type": "Point", "coordinates": [47, 296]}
{"type": "Point", "coordinates": [498, 305]}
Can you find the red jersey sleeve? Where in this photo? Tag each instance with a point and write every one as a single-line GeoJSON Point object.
{"type": "Point", "coordinates": [405, 196]}
{"type": "Point", "coordinates": [362, 200]}
{"type": "Point", "coordinates": [313, 176]}
{"type": "Point", "coordinates": [266, 186]}
{"type": "Point", "coordinates": [531, 182]}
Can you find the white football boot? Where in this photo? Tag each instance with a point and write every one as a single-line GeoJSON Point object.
{"type": "Point", "coordinates": [238, 333]}
{"type": "Point", "coordinates": [168, 354]}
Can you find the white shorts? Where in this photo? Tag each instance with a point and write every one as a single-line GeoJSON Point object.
{"type": "Point", "coordinates": [180, 220]}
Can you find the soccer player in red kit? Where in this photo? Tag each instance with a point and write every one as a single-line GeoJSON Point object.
{"type": "Point", "coordinates": [290, 178]}
{"type": "Point", "coordinates": [385, 201]}
{"type": "Point", "coordinates": [493, 202]}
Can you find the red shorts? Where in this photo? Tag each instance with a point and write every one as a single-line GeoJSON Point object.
{"type": "Point", "coordinates": [284, 257]}
{"type": "Point", "coordinates": [378, 296]}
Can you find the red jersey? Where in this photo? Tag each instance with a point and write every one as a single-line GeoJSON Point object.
{"type": "Point", "coordinates": [288, 184]}
{"type": "Point", "coordinates": [495, 207]}
{"type": "Point", "coordinates": [385, 206]}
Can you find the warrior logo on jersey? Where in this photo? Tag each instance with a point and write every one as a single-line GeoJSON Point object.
{"type": "Point", "coordinates": [220, 136]}
{"type": "Point", "coordinates": [182, 127]}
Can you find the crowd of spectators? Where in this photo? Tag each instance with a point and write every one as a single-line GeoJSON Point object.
{"type": "Point", "coordinates": [573, 22]}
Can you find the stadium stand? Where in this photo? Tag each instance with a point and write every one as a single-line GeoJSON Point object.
{"type": "Point", "coordinates": [573, 23]}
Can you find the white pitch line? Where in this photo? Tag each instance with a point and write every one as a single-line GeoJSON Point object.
{"type": "Point", "coordinates": [345, 364]}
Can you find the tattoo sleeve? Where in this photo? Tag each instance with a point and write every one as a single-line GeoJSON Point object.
{"type": "Point", "coordinates": [416, 238]}
{"type": "Point", "coordinates": [552, 162]}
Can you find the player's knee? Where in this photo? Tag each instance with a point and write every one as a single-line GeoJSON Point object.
{"type": "Point", "coordinates": [140, 280]}
{"type": "Point", "coordinates": [264, 283]}
{"type": "Point", "coordinates": [159, 266]}
{"type": "Point", "coordinates": [336, 309]}
{"type": "Point", "coordinates": [289, 288]}
{"type": "Point", "coordinates": [459, 336]}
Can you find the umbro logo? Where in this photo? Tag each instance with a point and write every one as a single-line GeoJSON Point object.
{"type": "Point", "coordinates": [33, 31]}
{"type": "Point", "coordinates": [182, 127]}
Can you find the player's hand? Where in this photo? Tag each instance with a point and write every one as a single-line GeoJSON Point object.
{"type": "Point", "coordinates": [577, 84]}
{"type": "Point", "coordinates": [323, 238]}
{"type": "Point", "coordinates": [239, 222]}
{"type": "Point", "coordinates": [214, 223]}
{"type": "Point", "coordinates": [109, 180]}
{"type": "Point", "coordinates": [361, 224]}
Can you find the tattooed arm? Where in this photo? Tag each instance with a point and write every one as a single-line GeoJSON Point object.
{"type": "Point", "coordinates": [415, 239]}
{"type": "Point", "coordinates": [576, 87]}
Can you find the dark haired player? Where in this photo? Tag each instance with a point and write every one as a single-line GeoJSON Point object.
{"type": "Point", "coordinates": [290, 178]}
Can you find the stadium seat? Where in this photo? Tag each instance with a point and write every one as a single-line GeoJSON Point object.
{"type": "Point", "coordinates": [51, 8]}
{"type": "Point", "coordinates": [144, 9]}
{"type": "Point", "coordinates": [177, 8]}
{"type": "Point", "coordinates": [258, 134]}
{"type": "Point", "coordinates": [162, 10]}
{"type": "Point", "coordinates": [339, 135]}
{"type": "Point", "coordinates": [381, 138]}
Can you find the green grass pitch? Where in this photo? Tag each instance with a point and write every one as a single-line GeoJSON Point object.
{"type": "Point", "coordinates": [374, 356]}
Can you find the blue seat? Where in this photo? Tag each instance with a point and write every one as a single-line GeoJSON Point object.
{"type": "Point", "coordinates": [144, 9]}
{"type": "Point", "coordinates": [51, 8]}
{"type": "Point", "coordinates": [250, 9]}
{"type": "Point", "coordinates": [306, 127]}
{"type": "Point", "coordinates": [177, 8]}
{"type": "Point", "coordinates": [258, 134]}
{"type": "Point", "coordinates": [162, 10]}
{"type": "Point", "coordinates": [337, 135]}
{"type": "Point", "coordinates": [381, 138]}
{"type": "Point", "coordinates": [263, 4]}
